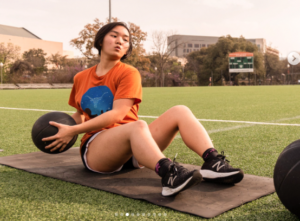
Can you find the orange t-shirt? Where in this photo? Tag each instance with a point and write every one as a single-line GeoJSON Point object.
{"type": "Point", "coordinates": [93, 95]}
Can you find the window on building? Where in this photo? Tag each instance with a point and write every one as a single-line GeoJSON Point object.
{"type": "Point", "coordinates": [183, 50]}
{"type": "Point", "coordinates": [258, 46]}
{"type": "Point", "coordinates": [196, 46]}
{"type": "Point", "coordinates": [203, 45]}
{"type": "Point", "coordinates": [190, 45]}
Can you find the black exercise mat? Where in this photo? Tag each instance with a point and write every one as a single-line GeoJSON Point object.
{"type": "Point", "coordinates": [206, 199]}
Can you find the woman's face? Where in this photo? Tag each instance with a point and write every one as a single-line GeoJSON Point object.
{"type": "Point", "coordinates": [115, 43]}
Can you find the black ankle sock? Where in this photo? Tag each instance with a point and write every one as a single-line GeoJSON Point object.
{"type": "Point", "coordinates": [209, 153]}
{"type": "Point", "coordinates": [162, 166]}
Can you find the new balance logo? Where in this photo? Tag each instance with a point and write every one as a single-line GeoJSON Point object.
{"type": "Point", "coordinates": [171, 180]}
{"type": "Point", "coordinates": [218, 165]}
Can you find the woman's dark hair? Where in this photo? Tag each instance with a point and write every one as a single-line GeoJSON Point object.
{"type": "Point", "coordinates": [107, 28]}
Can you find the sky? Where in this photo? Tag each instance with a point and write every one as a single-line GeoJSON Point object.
{"type": "Point", "coordinates": [277, 21]}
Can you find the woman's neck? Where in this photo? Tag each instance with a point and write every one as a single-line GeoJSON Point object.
{"type": "Point", "coordinates": [105, 65]}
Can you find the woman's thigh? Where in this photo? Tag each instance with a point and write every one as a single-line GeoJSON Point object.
{"type": "Point", "coordinates": [110, 149]}
{"type": "Point", "coordinates": [165, 127]}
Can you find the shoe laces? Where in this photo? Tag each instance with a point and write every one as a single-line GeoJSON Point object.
{"type": "Point", "coordinates": [222, 157]}
{"type": "Point", "coordinates": [174, 167]}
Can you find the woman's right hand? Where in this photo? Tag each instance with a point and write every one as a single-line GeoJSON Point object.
{"type": "Point", "coordinates": [64, 135]}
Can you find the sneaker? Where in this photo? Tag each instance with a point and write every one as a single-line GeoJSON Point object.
{"type": "Point", "coordinates": [178, 179]}
{"type": "Point", "coordinates": [218, 170]}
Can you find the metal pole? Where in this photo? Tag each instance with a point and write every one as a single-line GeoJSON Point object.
{"type": "Point", "coordinates": [109, 11]}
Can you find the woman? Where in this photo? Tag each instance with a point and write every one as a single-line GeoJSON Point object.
{"type": "Point", "coordinates": [107, 98]}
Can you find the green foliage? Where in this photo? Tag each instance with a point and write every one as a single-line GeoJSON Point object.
{"type": "Point", "coordinates": [9, 53]}
{"type": "Point", "coordinates": [20, 69]}
{"type": "Point", "coordinates": [36, 57]}
{"type": "Point", "coordinates": [171, 71]}
{"type": "Point", "coordinates": [196, 64]}
{"type": "Point", "coordinates": [214, 59]}
{"type": "Point", "coordinates": [59, 61]}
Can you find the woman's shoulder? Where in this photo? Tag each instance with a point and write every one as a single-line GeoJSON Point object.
{"type": "Point", "coordinates": [84, 73]}
{"type": "Point", "coordinates": [127, 67]}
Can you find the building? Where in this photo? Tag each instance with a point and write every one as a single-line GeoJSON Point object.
{"type": "Point", "coordinates": [26, 40]}
{"type": "Point", "coordinates": [185, 44]}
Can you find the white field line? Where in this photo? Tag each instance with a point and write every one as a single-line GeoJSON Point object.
{"type": "Point", "coordinates": [208, 120]}
{"type": "Point", "coordinates": [12, 108]}
{"type": "Point", "coordinates": [245, 122]}
{"type": "Point", "coordinates": [241, 126]}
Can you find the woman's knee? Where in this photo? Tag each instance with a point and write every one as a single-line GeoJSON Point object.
{"type": "Point", "coordinates": [140, 125]}
{"type": "Point", "coordinates": [181, 109]}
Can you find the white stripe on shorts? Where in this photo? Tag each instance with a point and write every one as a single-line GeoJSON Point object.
{"type": "Point", "coordinates": [134, 161]}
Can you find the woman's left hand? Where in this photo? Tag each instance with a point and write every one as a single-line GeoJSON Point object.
{"type": "Point", "coordinates": [64, 135]}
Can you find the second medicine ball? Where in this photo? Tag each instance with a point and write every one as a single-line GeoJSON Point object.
{"type": "Point", "coordinates": [287, 177]}
{"type": "Point", "coordinates": [42, 129]}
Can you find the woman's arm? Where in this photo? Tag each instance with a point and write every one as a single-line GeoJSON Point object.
{"type": "Point", "coordinates": [78, 117]}
{"type": "Point", "coordinates": [120, 108]}
{"type": "Point", "coordinates": [65, 133]}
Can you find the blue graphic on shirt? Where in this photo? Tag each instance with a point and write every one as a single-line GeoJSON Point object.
{"type": "Point", "coordinates": [97, 100]}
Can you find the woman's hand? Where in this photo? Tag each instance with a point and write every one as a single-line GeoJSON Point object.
{"type": "Point", "coordinates": [64, 135]}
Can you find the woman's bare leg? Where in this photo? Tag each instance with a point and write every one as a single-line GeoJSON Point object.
{"type": "Point", "coordinates": [113, 147]}
{"type": "Point", "coordinates": [180, 118]}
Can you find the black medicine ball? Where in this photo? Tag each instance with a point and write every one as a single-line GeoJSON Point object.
{"type": "Point", "coordinates": [42, 129]}
{"type": "Point", "coordinates": [287, 177]}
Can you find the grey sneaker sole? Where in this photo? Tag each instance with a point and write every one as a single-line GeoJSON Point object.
{"type": "Point", "coordinates": [192, 181]}
{"type": "Point", "coordinates": [232, 178]}
{"type": "Point", "coordinates": [213, 175]}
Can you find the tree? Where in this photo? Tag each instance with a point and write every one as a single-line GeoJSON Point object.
{"type": "Point", "coordinates": [163, 48]}
{"type": "Point", "coordinates": [18, 70]}
{"type": "Point", "coordinates": [85, 43]}
{"type": "Point", "coordinates": [58, 60]}
{"type": "Point", "coordinates": [196, 64]}
{"type": "Point", "coordinates": [172, 71]}
{"type": "Point", "coordinates": [213, 61]}
{"type": "Point", "coordinates": [8, 54]}
{"type": "Point", "coordinates": [137, 57]}
{"type": "Point", "coordinates": [36, 57]}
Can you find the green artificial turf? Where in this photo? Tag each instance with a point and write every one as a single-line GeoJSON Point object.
{"type": "Point", "coordinates": [254, 148]}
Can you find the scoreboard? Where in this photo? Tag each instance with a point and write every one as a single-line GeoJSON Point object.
{"type": "Point", "coordinates": [241, 62]}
